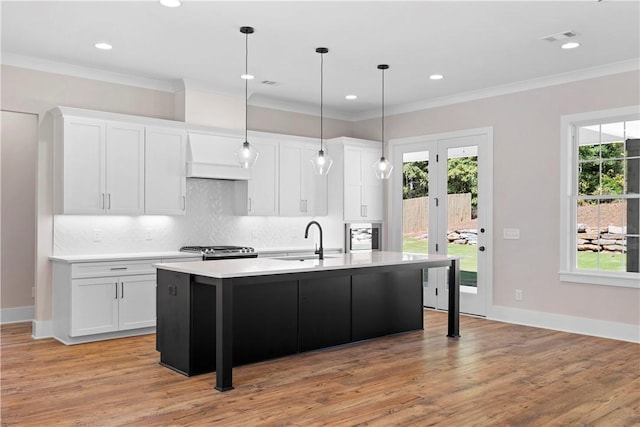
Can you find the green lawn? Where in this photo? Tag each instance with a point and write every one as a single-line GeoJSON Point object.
{"type": "Point", "coordinates": [469, 254]}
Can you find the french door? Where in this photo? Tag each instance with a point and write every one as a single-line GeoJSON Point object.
{"type": "Point", "coordinates": [440, 198]}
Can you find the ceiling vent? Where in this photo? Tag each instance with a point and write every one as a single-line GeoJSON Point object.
{"type": "Point", "coordinates": [559, 36]}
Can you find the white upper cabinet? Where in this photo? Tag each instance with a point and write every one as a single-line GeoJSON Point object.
{"type": "Point", "coordinates": [125, 169]}
{"type": "Point", "coordinates": [165, 182]}
{"type": "Point", "coordinates": [258, 196]}
{"type": "Point", "coordinates": [114, 164]}
{"type": "Point", "coordinates": [302, 193]}
{"type": "Point", "coordinates": [355, 190]}
{"type": "Point", "coordinates": [102, 167]}
{"type": "Point", "coordinates": [80, 165]}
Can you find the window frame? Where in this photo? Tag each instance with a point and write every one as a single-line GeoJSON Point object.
{"type": "Point", "coordinates": [568, 192]}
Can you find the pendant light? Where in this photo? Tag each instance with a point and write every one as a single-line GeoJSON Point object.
{"type": "Point", "coordinates": [246, 155]}
{"type": "Point", "coordinates": [321, 162]}
{"type": "Point", "coordinates": [382, 168]}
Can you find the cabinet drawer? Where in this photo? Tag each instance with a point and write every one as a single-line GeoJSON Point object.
{"type": "Point", "coordinates": [112, 268]}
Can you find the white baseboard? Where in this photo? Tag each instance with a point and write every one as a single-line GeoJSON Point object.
{"type": "Point", "coordinates": [564, 323]}
{"type": "Point", "coordinates": [16, 314]}
{"type": "Point", "coordinates": [41, 329]}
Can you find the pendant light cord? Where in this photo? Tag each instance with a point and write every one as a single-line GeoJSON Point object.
{"type": "Point", "coordinates": [383, 112]}
{"type": "Point", "coordinates": [246, 86]}
{"type": "Point", "coordinates": [321, 99]}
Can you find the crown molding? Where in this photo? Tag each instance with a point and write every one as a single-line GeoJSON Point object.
{"type": "Point", "coordinates": [553, 80]}
{"type": "Point", "coordinates": [297, 107]}
{"type": "Point", "coordinates": [56, 67]}
{"type": "Point", "coordinates": [23, 61]}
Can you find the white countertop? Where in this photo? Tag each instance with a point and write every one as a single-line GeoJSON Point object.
{"type": "Point", "coordinates": [230, 268]}
{"type": "Point", "coordinates": [122, 257]}
{"type": "Point", "coordinates": [132, 256]}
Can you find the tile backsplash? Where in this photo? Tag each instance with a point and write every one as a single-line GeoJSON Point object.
{"type": "Point", "coordinates": [209, 221]}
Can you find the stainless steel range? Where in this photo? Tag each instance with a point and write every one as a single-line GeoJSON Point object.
{"type": "Point", "coordinates": [210, 253]}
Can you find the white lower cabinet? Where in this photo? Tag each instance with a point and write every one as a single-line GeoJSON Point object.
{"type": "Point", "coordinates": [109, 304]}
{"type": "Point", "coordinates": [103, 300]}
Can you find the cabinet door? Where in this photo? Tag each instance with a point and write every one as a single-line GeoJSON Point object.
{"type": "Point", "coordinates": [94, 306]}
{"type": "Point", "coordinates": [125, 169]}
{"type": "Point", "coordinates": [262, 192]}
{"type": "Point", "coordinates": [165, 179]}
{"type": "Point", "coordinates": [372, 194]}
{"type": "Point", "coordinates": [137, 301]}
{"type": "Point", "coordinates": [290, 183]}
{"type": "Point", "coordinates": [83, 166]}
{"type": "Point", "coordinates": [353, 206]}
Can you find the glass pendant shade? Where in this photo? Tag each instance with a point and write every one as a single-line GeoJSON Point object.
{"type": "Point", "coordinates": [246, 156]}
{"type": "Point", "coordinates": [382, 168]}
{"type": "Point", "coordinates": [321, 163]}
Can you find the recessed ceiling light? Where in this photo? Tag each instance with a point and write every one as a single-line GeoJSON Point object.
{"type": "Point", "coordinates": [103, 46]}
{"type": "Point", "coordinates": [351, 97]}
{"type": "Point", "coordinates": [436, 76]}
{"type": "Point", "coordinates": [570, 45]}
{"type": "Point", "coordinates": [247, 77]}
{"type": "Point", "coordinates": [170, 3]}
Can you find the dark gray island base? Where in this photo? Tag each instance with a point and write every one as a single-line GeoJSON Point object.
{"type": "Point", "coordinates": [207, 323]}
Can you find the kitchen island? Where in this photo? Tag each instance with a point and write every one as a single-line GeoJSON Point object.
{"type": "Point", "coordinates": [213, 315]}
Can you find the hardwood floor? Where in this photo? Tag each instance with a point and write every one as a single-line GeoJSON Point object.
{"type": "Point", "coordinates": [497, 374]}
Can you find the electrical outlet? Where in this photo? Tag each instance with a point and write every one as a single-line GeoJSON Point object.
{"type": "Point", "coordinates": [97, 235]}
{"type": "Point", "coordinates": [511, 233]}
{"type": "Point", "coordinates": [519, 295]}
{"type": "Point", "coordinates": [148, 234]}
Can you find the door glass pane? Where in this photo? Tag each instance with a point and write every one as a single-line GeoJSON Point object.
{"type": "Point", "coordinates": [415, 202]}
{"type": "Point", "coordinates": [462, 219]}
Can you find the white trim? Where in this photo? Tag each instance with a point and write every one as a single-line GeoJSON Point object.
{"type": "Point", "coordinates": [567, 272]}
{"type": "Point", "coordinates": [83, 72]}
{"type": "Point", "coordinates": [521, 86]}
{"type": "Point", "coordinates": [41, 329]}
{"type": "Point", "coordinates": [16, 314]}
{"type": "Point", "coordinates": [560, 322]}
{"type": "Point", "coordinates": [623, 280]}
{"type": "Point", "coordinates": [178, 85]}
{"type": "Point", "coordinates": [264, 101]}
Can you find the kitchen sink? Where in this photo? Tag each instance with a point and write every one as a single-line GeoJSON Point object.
{"type": "Point", "coordinates": [301, 257]}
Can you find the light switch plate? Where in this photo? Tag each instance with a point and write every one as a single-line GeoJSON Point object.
{"type": "Point", "coordinates": [511, 233]}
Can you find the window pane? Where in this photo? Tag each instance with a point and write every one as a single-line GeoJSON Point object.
{"type": "Point", "coordinates": [632, 129]}
{"type": "Point", "coordinates": [589, 178]}
{"type": "Point", "coordinates": [607, 236]}
{"type": "Point", "coordinates": [588, 152]}
{"type": "Point", "coordinates": [613, 177]}
{"type": "Point", "coordinates": [612, 132]}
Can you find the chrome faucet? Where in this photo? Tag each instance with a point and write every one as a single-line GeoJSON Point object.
{"type": "Point", "coordinates": [320, 251]}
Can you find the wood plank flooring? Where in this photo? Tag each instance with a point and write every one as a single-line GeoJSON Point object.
{"type": "Point", "coordinates": [497, 374]}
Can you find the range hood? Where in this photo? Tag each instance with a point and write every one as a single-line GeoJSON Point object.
{"type": "Point", "coordinates": [214, 157]}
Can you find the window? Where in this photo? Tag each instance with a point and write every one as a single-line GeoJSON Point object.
{"type": "Point", "coordinates": [601, 198]}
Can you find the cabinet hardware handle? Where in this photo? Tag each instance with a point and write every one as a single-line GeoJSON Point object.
{"type": "Point", "coordinates": [184, 203]}
{"type": "Point", "coordinates": [118, 268]}
{"type": "Point", "coordinates": [102, 201]}
{"type": "Point", "coordinates": [481, 248]}
{"type": "Point", "coordinates": [121, 289]}
{"type": "Point", "coordinates": [116, 290]}
{"type": "Point", "coordinates": [109, 199]}
{"type": "Point", "coordinates": [366, 211]}
{"type": "Point", "coordinates": [249, 204]}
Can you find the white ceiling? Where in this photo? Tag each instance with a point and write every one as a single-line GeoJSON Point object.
{"type": "Point", "coordinates": [475, 45]}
